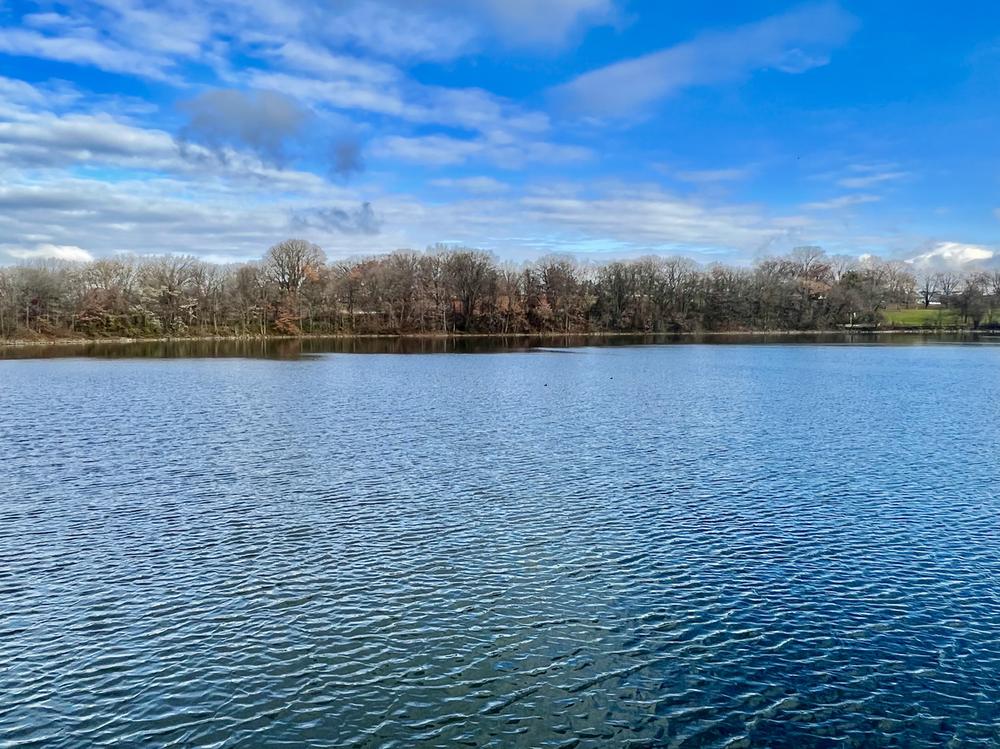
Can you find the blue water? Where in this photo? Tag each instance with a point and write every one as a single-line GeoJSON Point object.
{"type": "Point", "coordinates": [662, 546]}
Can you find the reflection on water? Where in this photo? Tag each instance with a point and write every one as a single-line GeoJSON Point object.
{"type": "Point", "coordinates": [294, 348]}
{"type": "Point", "coordinates": [664, 546]}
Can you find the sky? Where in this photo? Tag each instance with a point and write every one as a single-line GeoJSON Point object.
{"type": "Point", "coordinates": [723, 132]}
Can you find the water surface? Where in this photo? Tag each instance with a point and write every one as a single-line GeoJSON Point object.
{"type": "Point", "coordinates": [293, 348]}
{"type": "Point", "coordinates": [665, 546]}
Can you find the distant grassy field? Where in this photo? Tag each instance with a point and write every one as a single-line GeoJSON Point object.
{"type": "Point", "coordinates": [932, 317]}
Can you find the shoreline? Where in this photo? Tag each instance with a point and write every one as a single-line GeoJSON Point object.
{"type": "Point", "coordinates": [20, 343]}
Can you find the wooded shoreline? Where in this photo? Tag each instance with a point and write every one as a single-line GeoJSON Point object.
{"type": "Point", "coordinates": [554, 335]}
{"type": "Point", "coordinates": [294, 291]}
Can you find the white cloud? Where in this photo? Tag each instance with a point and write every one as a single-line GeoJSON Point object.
{"type": "Point", "coordinates": [844, 201]}
{"type": "Point", "coordinates": [81, 170]}
{"type": "Point", "coordinates": [143, 216]}
{"type": "Point", "coordinates": [47, 21]}
{"type": "Point", "coordinates": [150, 39]}
{"type": "Point", "coordinates": [141, 37]}
{"type": "Point", "coordinates": [708, 176]}
{"type": "Point", "coordinates": [446, 29]}
{"type": "Point", "coordinates": [81, 137]}
{"type": "Point", "coordinates": [15, 93]}
{"type": "Point", "coordinates": [402, 31]}
{"type": "Point", "coordinates": [315, 59]}
{"type": "Point", "coordinates": [654, 219]}
{"type": "Point", "coordinates": [289, 49]}
{"type": "Point", "coordinates": [145, 195]}
{"type": "Point", "coordinates": [47, 140]}
{"type": "Point", "coordinates": [467, 108]}
{"type": "Point", "coordinates": [52, 252]}
{"type": "Point", "coordinates": [84, 50]}
{"type": "Point", "coordinates": [792, 42]}
{"type": "Point", "coordinates": [497, 149]}
{"type": "Point", "coordinates": [237, 222]}
{"type": "Point", "coordinates": [473, 185]}
{"type": "Point", "coordinates": [952, 254]}
{"type": "Point", "coordinates": [864, 181]}
{"type": "Point", "coordinates": [433, 150]}
{"type": "Point", "coordinates": [547, 22]}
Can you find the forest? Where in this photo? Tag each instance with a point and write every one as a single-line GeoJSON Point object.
{"type": "Point", "coordinates": [294, 290]}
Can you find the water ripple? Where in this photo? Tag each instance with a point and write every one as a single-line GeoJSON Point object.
{"type": "Point", "coordinates": [697, 546]}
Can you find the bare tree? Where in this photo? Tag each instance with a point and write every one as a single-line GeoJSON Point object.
{"type": "Point", "coordinates": [469, 274]}
{"type": "Point", "coordinates": [290, 263]}
{"type": "Point", "coordinates": [465, 290]}
{"type": "Point", "coordinates": [166, 282]}
{"type": "Point", "coordinates": [840, 265]}
{"type": "Point", "coordinates": [927, 288]}
{"type": "Point", "coordinates": [994, 284]}
{"type": "Point", "coordinates": [810, 263]}
{"type": "Point", "coordinates": [948, 284]}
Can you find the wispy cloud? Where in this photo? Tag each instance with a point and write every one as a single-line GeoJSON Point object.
{"type": "Point", "coordinates": [547, 22]}
{"type": "Point", "coordinates": [313, 58]}
{"type": "Point", "coordinates": [473, 185]}
{"type": "Point", "coordinates": [709, 176]}
{"type": "Point", "coordinates": [844, 201]}
{"type": "Point", "coordinates": [652, 218]}
{"type": "Point", "coordinates": [282, 100]}
{"type": "Point", "coordinates": [496, 149]}
{"type": "Point", "coordinates": [864, 181]}
{"type": "Point", "coordinates": [85, 50]}
{"type": "Point", "coordinates": [467, 108]}
{"type": "Point", "coordinates": [792, 42]}
{"type": "Point", "coordinates": [403, 31]}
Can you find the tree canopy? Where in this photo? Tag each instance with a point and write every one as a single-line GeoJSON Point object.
{"type": "Point", "coordinates": [294, 289]}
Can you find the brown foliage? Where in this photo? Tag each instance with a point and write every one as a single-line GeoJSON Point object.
{"type": "Point", "coordinates": [445, 290]}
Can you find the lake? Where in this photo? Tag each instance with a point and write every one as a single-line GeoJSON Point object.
{"type": "Point", "coordinates": [775, 545]}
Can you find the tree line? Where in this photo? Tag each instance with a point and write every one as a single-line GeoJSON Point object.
{"type": "Point", "coordinates": [294, 290]}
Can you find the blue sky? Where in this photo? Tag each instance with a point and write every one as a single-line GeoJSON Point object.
{"type": "Point", "coordinates": [604, 128]}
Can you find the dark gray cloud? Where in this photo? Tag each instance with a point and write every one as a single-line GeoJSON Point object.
{"type": "Point", "coordinates": [346, 158]}
{"type": "Point", "coordinates": [360, 220]}
{"type": "Point", "coordinates": [272, 125]}
{"type": "Point", "coordinates": [266, 122]}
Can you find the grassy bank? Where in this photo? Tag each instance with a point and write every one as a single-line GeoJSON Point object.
{"type": "Point", "coordinates": [920, 317]}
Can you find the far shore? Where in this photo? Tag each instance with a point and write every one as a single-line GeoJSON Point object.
{"type": "Point", "coordinates": [66, 341]}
